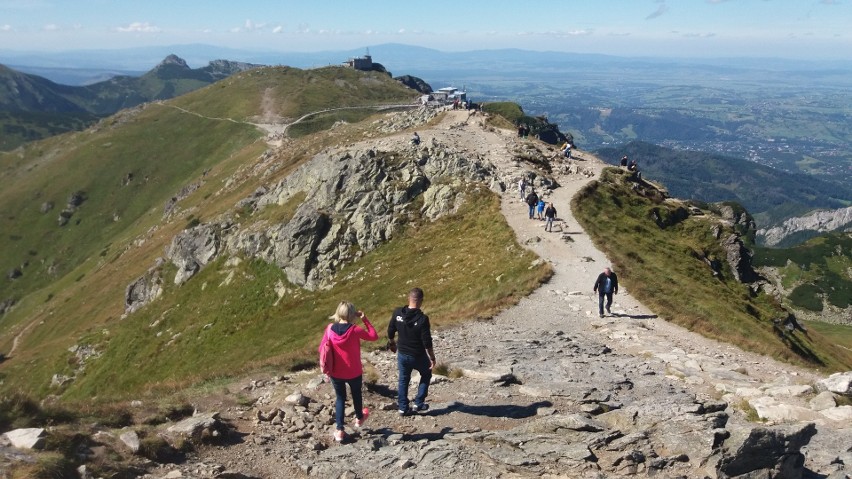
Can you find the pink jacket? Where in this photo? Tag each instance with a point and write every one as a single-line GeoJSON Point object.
{"type": "Point", "coordinates": [347, 349]}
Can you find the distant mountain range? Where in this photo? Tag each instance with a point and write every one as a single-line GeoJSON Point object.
{"type": "Point", "coordinates": [419, 61]}
{"type": "Point", "coordinates": [32, 107]}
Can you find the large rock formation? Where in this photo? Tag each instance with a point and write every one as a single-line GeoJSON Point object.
{"type": "Point", "coordinates": [816, 222]}
{"type": "Point", "coordinates": [354, 201]}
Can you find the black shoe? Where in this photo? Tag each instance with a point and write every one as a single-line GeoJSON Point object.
{"type": "Point", "coordinates": [608, 311]}
{"type": "Point", "coordinates": [602, 315]}
{"type": "Point", "coordinates": [422, 408]}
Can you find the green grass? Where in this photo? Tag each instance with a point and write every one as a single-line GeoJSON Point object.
{"type": "Point", "coordinates": [839, 334]}
{"type": "Point", "coordinates": [202, 330]}
{"type": "Point", "coordinates": [818, 271]}
{"type": "Point", "coordinates": [665, 268]}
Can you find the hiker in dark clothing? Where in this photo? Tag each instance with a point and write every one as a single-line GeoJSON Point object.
{"type": "Point", "coordinates": [532, 201]}
{"type": "Point", "coordinates": [624, 161]}
{"type": "Point", "coordinates": [413, 351]}
{"type": "Point", "coordinates": [606, 285]}
{"type": "Point", "coordinates": [549, 216]}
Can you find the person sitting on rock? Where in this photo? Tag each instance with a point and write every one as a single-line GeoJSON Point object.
{"type": "Point", "coordinates": [415, 139]}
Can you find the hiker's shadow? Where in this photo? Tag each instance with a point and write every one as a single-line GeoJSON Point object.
{"type": "Point", "coordinates": [382, 390]}
{"type": "Point", "coordinates": [512, 411]}
{"type": "Point", "coordinates": [430, 436]}
{"type": "Point", "coordinates": [635, 316]}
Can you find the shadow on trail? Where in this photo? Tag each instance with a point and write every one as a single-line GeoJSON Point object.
{"type": "Point", "coordinates": [382, 390]}
{"type": "Point", "coordinates": [636, 316]}
{"type": "Point", "coordinates": [414, 437]}
{"type": "Point", "coordinates": [512, 411]}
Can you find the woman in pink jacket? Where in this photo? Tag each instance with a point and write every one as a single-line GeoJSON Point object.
{"type": "Point", "coordinates": [346, 339]}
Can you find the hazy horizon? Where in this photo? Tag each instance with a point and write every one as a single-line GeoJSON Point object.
{"type": "Point", "coordinates": [791, 29]}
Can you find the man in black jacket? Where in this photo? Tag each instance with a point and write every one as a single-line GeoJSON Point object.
{"type": "Point", "coordinates": [413, 351]}
{"type": "Point", "coordinates": [606, 285]}
{"type": "Point", "coordinates": [532, 201]}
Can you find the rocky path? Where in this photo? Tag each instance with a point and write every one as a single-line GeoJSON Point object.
{"type": "Point", "coordinates": [548, 389]}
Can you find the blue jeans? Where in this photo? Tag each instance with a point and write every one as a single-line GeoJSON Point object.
{"type": "Point", "coordinates": [601, 295]}
{"type": "Point", "coordinates": [532, 211]}
{"type": "Point", "coordinates": [340, 402]}
{"type": "Point", "coordinates": [405, 364]}
{"type": "Point", "coordinates": [548, 225]}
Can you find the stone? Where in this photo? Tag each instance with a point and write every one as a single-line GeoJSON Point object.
{"type": "Point", "coordinates": [840, 413]}
{"type": "Point", "coordinates": [823, 400]}
{"type": "Point", "coordinates": [131, 440]}
{"type": "Point", "coordinates": [765, 452]}
{"type": "Point", "coordinates": [838, 383]}
{"type": "Point", "coordinates": [770, 409]}
{"type": "Point", "coordinates": [26, 438]}
{"type": "Point", "coordinates": [298, 399]}
{"type": "Point", "coordinates": [196, 425]}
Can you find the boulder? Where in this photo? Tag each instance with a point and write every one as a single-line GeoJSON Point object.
{"type": "Point", "coordinates": [131, 440]}
{"type": "Point", "coordinates": [823, 400]}
{"type": "Point", "coordinates": [838, 383]}
{"type": "Point", "coordinates": [765, 452]}
{"type": "Point", "coordinates": [194, 248]}
{"type": "Point", "coordinates": [27, 438]}
{"type": "Point", "coordinates": [145, 289]}
{"type": "Point", "coordinates": [739, 259]}
{"type": "Point", "coordinates": [197, 426]}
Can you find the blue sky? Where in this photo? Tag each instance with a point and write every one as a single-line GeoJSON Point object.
{"type": "Point", "coordinates": [687, 28]}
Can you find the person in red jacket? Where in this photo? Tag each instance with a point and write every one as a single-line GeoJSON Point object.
{"type": "Point", "coordinates": [346, 339]}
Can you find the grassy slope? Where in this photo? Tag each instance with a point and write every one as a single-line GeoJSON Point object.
{"type": "Point", "coordinates": [663, 269]}
{"type": "Point", "coordinates": [818, 270]}
{"type": "Point", "coordinates": [248, 327]}
{"type": "Point", "coordinates": [769, 194]}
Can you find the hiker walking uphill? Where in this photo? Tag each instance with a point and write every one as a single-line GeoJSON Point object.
{"type": "Point", "coordinates": [549, 216]}
{"type": "Point", "coordinates": [345, 368]}
{"type": "Point", "coordinates": [532, 201]}
{"type": "Point", "coordinates": [413, 351]}
{"type": "Point", "coordinates": [606, 285]}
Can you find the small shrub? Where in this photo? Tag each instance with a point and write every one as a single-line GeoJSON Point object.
{"type": "Point", "coordinates": [156, 449]}
{"type": "Point", "coordinates": [49, 465]}
{"type": "Point", "coordinates": [750, 412]}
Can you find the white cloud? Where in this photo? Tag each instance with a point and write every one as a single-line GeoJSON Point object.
{"type": "Point", "coordinates": [139, 27]}
{"type": "Point", "coordinates": [698, 35]}
{"type": "Point", "coordinates": [6, 28]}
{"type": "Point", "coordinates": [278, 29]}
{"type": "Point", "coordinates": [559, 33]}
{"type": "Point", "coordinates": [51, 27]}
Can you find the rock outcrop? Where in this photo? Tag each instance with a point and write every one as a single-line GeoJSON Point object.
{"type": "Point", "coordinates": [354, 200]}
{"type": "Point", "coordinates": [816, 222]}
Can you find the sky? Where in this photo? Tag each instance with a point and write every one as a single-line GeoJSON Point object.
{"type": "Point", "coordinates": [817, 29]}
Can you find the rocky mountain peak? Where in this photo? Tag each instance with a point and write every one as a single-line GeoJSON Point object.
{"type": "Point", "coordinates": [172, 60]}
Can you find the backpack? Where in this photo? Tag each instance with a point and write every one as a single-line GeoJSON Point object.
{"type": "Point", "coordinates": [326, 353]}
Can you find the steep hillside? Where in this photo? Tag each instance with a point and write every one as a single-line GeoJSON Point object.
{"type": "Point", "coordinates": [814, 278]}
{"type": "Point", "coordinates": [769, 194]}
{"type": "Point", "coordinates": [34, 108]}
{"type": "Point", "coordinates": [158, 178]}
{"type": "Point", "coordinates": [691, 267]}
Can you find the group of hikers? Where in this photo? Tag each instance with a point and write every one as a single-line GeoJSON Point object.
{"type": "Point", "coordinates": [414, 349]}
{"type": "Point", "coordinates": [413, 352]}
{"type": "Point", "coordinates": [538, 208]}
